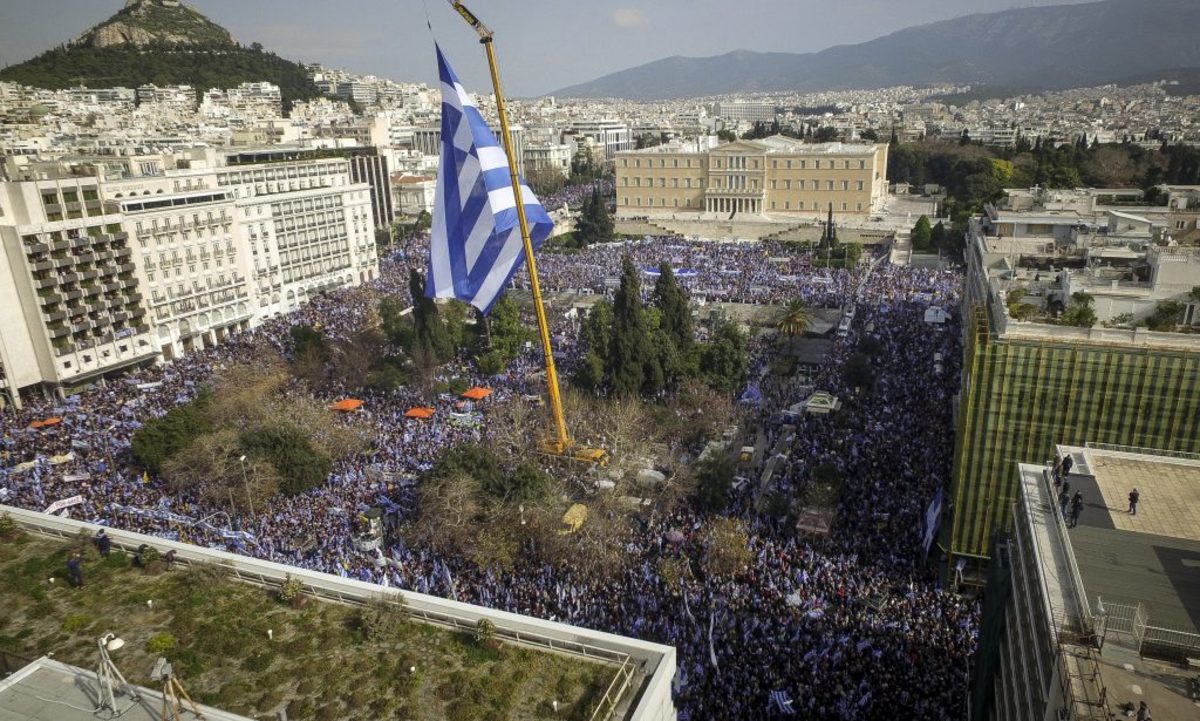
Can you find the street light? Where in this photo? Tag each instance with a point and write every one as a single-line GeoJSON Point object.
{"type": "Point", "coordinates": [107, 674]}
{"type": "Point", "coordinates": [246, 482]}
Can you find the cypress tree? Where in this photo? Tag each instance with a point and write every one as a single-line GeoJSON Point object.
{"type": "Point", "coordinates": [629, 338]}
{"type": "Point", "coordinates": [672, 302]}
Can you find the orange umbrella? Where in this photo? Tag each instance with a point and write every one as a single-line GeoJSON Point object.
{"type": "Point", "coordinates": [419, 413]}
{"type": "Point", "coordinates": [36, 424]}
{"type": "Point", "coordinates": [347, 404]}
{"type": "Point", "coordinates": [477, 393]}
{"type": "Point", "coordinates": [46, 423]}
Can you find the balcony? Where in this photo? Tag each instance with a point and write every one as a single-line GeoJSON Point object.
{"type": "Point", "coordinates": [43, 283]}
{"type": "Point", "coordinates": [59, 331]}
{"type": "Point", "coordinates": [112, 287]}
{"type": "Point", "coordinates": [134, 297]}
{"type": "Point", "coordinates": [68, 278]}
{"type": "Point", "coordinates": [35, 248]}
{"type": "Point", "coordinates": [73, 294]}
{"type": "Point", "coordinates": [81, 241]}
{"type": "Point", "coordinates": [63, 262]}
{"type": "Point", "coordinates": [126, 267]}
{"type": "Point", "coordinates": [122, 252]}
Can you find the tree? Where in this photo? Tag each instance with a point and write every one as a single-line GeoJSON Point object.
{"type": "Point", "coordinates": [724, 361]}
{"type": "Point", "coordinates": [596, 338]}
{"type": "Point", "coordinates": [859, 372]}
{"type": "Point", "coordinates": [714, 479]}
{"type": "Point", "coordinates": [938, 236]}
{"type": "Point", "coordinates": [726, 136]}
{"type": "Point", "coordinates": [922, 234]}
{"type": "Point", "coordinates": [430, 341]}
{"type": "Point", "coordinates": [826, 134]}
{"type": "Point", "coordinates": [869, 134]}
{"type": "Point", "coordinates": [1167, 314]}
{"type": "Point", "coordinates": [796, 318]}
{"type": "Point", "coordinates": [672, 302]}
{"type": "Point", "coordinates": [1080, 312]}
{"type": "Point", "coordinates": [160, 438]}
{"type": "Point", "coordinates": [726, 548]}
{"type": "Point", "coordinates": [507, 335]}
{"type": "Point", "coordinates": [300, 464]}
{"type": "Point", "coordinates": [594, 225]}
{"type": "Point", "coordinates": [626, 371]}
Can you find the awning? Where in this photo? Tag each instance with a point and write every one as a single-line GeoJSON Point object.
{"type": "Point", "coordinates": [477, 393]}
{"type": "Point", "coordinates": [419, 413]}
{"type": "Point", "coordinates": [346, 404]}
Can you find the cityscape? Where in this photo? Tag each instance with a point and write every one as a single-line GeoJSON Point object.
{"type": "Point", "coordinates": [818, 381]}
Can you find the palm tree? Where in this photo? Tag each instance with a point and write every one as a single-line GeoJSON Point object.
{"type": "Point", "coordinates": [796, 318]}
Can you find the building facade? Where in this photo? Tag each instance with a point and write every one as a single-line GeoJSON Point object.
{"type": "Point", "coordinates": [71, 308]}
{"type": "Point", "coordinates": [1027, 385]}
{"type": "Point", "coordinates": [98, 274]}
{"type": "Point", "coordinates": [776, 175]}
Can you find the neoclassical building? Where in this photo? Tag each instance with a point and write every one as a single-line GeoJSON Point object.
{"type": "Point", "coordinates": [772, 176]}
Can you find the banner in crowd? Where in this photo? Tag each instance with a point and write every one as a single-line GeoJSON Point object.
{"type": "Point", "coordinates": [933, 516]}
{"type": "Point", "coordinates": [64, 503]}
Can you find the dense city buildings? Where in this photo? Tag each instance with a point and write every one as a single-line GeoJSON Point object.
{"type": "Point", "coordinates": [776, 175]}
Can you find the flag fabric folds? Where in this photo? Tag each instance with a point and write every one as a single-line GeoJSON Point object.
{"type": "Point", "coordinates": [476, 241]}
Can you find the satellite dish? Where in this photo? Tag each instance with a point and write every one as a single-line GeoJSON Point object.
{"type": "Point", "coordinates": [114, 644]}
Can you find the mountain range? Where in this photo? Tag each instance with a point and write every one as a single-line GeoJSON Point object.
{"type": "Point", "coordinates": [1036, 48]}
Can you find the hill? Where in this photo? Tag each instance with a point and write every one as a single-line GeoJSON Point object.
{"type": "Point", "coordinates": [161, 42]}
{"type": "Point", "coordinates": [155, 22]}
{"type": "Point", "coordinates": [1039, 48]}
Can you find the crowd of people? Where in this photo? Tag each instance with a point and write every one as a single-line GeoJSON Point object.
{"type": "Point", "coordinates": [847, 625]}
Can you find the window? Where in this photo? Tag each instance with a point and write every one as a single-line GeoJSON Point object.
{"type": "Point", "coordinates": [845, 185]}
{"type": "Point", "coordinates": [787, 185]}
{"type": "Point", "coordinates": [843, 206]}
{"type": "Point", "coordinates": [70, 196]}
{"type": "Point", "coordinates": [50, 197]}
{"type": "Point", "coordinates": [829, 185]}
{"type": "Point", "coordinates": [817, 164]}
{"type": "Point", "coordinates": [860, 185]}
{"type": "Point", "coordinates": [772, 185]}
{"type": "Point", "coordinates": [862, 165]}
{"type": "Point", "coordinates": [847, 165]}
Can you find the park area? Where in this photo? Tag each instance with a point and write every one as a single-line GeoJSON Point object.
{"type": "Point", "coordinates": [238, 647]}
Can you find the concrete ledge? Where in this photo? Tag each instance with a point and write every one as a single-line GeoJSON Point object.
{"type": "Point", "coordinates": [655, 663]}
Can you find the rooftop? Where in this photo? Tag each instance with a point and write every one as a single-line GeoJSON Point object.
{"type": "Point", "coordinates": [775, 144]}
{"type": "Point", "coordinates": [47, 690]}
{"type": "Point", "coordinates": [1149, 558]}
{"type": "Point", "coordinates": [1096, 574]}
{"type": "Point", "coordinates": [237, 647]}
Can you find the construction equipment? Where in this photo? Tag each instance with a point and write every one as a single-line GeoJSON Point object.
{"type": "Point", "coordinates": [560, 444]}
{"type": "Point", "coordinates": [172, 691]}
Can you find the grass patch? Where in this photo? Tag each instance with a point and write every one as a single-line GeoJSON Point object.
{"type": "Point", "coordinates": [325, 661]}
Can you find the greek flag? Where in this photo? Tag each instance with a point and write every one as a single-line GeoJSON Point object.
{"type": "Point", "coordinates": [476, 240]}
{"type": "Point", "coordinates": [780, 700]}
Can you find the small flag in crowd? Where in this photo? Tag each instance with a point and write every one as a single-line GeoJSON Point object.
{"type": "Point", "coordinates": [781, 700]}
{"type": "Point", "coordinates": [476, 243]}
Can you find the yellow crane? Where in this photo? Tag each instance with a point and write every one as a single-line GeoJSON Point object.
{"type": "Point", "coordinates": [560, 444]}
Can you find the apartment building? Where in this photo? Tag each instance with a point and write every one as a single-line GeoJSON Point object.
{"type": "Point", "coordinates": [773, 176]}
{"type": "Point", "coordinates": [307, 226]}
{"type": "Point", "coordinates": [71, 308]}
{"type": "Point", "coordinates": [610, 135]}
{"type": "Point", "coordinates": [98, 273]}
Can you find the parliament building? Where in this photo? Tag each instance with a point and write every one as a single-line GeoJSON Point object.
{"type": "Point", "coordinates": [775, 176]}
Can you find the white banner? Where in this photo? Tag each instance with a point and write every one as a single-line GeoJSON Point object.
{"type": "Point", "coordinates": [64, 503]}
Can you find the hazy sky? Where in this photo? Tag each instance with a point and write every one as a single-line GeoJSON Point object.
{"type": "Point", "coordinates": [543, 45]}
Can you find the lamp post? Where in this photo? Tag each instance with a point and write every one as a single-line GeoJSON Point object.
{"type": "Point", "coordinates": [246, 483]}
{"type": "Point", "coordinates": [107, 675]}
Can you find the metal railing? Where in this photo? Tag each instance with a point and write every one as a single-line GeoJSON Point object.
{"type": "Point", "coordinates": [1148, 640]}
{"type": "Point", "coordinates": [1139, 451]}
{"type": "Point", "coordinates": [628, 655]}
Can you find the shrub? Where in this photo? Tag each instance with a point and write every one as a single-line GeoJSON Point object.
{"type": "Point", "coordinates": [291, 589]}
{"type": "Point", "coordinates": [8, 527]}
{"type": "Point", "coordinates": [161, 438]}
{"type": "Point", "coordinates": [76, 622]}
{"type": "Point", "coordinates": [301, 465]}
{"type": "Point", "coordinates": [161, 643]}
{"type": "Point", "coordinates": [382, 619]}
{"type": "Point", "coordinates": [485, 631]}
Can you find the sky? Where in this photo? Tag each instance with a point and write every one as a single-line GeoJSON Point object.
{"type": "Point", "coordinates": [542, 45]}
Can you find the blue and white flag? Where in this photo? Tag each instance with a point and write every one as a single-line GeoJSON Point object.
{"type": "Point", "coordinates": [476, 241]}
{"type": "Point", "coordinates": [780, 700]}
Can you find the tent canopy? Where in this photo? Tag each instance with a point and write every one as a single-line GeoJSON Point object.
{"type": "Point", "coordinates": [477, 393]}
{"type": "Point", "coordinates": [347, 404]}
{"type": "Point", "coordinates": [48, 422]}
{"type": "Point", "coordinates": [419, 412]}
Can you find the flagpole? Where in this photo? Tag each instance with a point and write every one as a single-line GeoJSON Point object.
{"type": "Point", "coordinates": [562, 440]}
